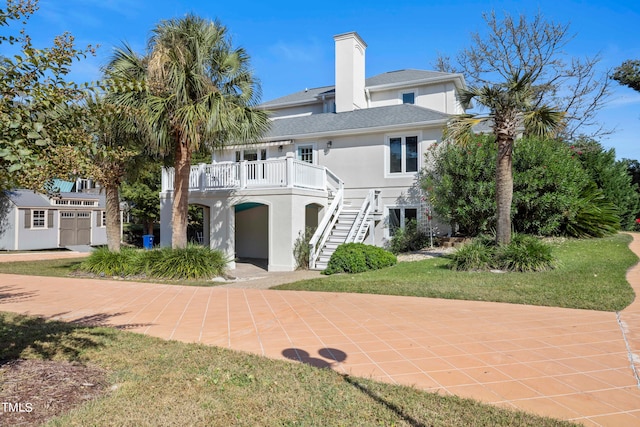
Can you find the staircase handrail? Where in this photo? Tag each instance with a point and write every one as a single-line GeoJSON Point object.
{"type": "Point", "coordinates": [360, 219]}
{"type": "Point", "coordinates": [323, 231]}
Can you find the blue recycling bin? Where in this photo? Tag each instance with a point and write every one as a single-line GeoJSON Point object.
{"type": "Point", "coordinates": [147, 241]}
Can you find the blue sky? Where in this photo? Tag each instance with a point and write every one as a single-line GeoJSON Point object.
{"type": "Point", "coordinates": [291, 44]}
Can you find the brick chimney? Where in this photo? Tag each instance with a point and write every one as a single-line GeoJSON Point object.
{"type": "Point", "coordinates": [350, 63]}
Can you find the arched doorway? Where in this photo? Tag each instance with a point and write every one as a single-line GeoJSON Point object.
{"type": "Point", "coordinates": [198, 224]}
{"type": "Point", "coordinates": [252, 233]}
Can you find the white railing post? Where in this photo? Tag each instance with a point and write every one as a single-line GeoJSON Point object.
{"type": "Point", "coordinates": [290, 171]}
{"type": "Point", "coordinates": [201, 176]}
{"type": "Point", "coordinates": [243, 174]}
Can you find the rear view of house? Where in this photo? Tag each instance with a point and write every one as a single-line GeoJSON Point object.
{"type": "Point", "coordinates": [342, 160]}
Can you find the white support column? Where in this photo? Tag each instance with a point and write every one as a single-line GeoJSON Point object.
{"type": "Point", "coordinates": [290, 174]}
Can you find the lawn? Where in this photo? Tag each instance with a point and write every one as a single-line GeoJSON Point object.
{"type": "Point", "coordinates": [152, 382]}
{"type": "Point", "coordinates": [590, 275]}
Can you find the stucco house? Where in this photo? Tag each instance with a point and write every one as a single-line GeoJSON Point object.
{"type": "Point", "coordinates": [341, 159]}
{"type": "Point", "coordinates": [33, 221]}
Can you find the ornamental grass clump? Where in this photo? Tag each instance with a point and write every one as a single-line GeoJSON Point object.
{"type": "Point", "coordinates": [474, 256]}
{"type": "Point", "coordinates": [524, 253]}
{"type": "Point", "coordinates": [358, 258]}
{"type": "Point", "coordinates": [102, 261]}
{"type": "Point", "coordinates": [192, 262]}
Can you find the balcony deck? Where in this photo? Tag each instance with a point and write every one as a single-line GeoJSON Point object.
{"type": "Point", "coordinates": [262, 174]}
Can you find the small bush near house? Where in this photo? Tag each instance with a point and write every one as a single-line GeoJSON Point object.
{"type": "Point", "coordinates": [357, 258]}
{"type": "Point", "coordinates": [301, 249]}
{"type": "Point", "coordinates": [192, 262]}
{"type": "Point", "coordinates": [408, 239]}
{"type": "Point", "coordinates": [524, 253]}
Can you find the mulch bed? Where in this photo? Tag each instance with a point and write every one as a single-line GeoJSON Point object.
{"type": "Point", "coordinates": [33, 391]}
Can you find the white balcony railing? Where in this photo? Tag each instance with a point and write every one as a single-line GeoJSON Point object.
{"type": "Point", "coordinates": [287, 172]}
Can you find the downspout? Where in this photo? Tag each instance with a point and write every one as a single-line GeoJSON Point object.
{"type": "Point", "coordinates": [367, 95]}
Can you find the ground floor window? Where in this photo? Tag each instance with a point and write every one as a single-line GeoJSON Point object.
{"type": "Point", "coordinates": [38, 219]}
{"type": "Point", "coordinates": [400, 216]}
{"type": "Point", "coordinates": [251, 155]}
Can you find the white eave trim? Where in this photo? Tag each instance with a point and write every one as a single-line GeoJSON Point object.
{"type": "Point", "coordinates": [458, 79]}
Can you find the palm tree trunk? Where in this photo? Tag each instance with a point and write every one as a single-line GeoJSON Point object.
{"type": "Point", "coordinates": [112, 216]}
{"type": "Point", "coordinates": [180, 209]}
{"type": "Point", "coordinates": [504, 189]}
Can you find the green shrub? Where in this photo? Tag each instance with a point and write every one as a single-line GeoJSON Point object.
{"type": "Point", "coordinates": [593, 215]}
{"type": "Point", "coordinates": [357, 258]}
{"type": "Point", "coordinates": [104, 262]}
{"type": "Point", "coordinates": [301, 250]}
{"type": "Point", "coordinates": [474, 256]}
{"type": "Point", "coordinates": [192, 262]}
{"type": "Point", "coordinates": [408, 239]}
{"type": "Point", "coordinates": [524, 253]}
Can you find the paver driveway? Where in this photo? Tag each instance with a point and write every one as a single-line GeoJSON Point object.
{"type": "Point", "coordinates": [571, 364]}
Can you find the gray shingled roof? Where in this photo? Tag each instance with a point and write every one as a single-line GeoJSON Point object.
{"type": "Point", "coordinates": [29, 199]}
{"type": "Point", "coordinates": [404, 76]}
{"type": "Point", "coordinates": [403, 114]}
{"type": "Point", "coordinates": [391, 77]}
{"type": "Point", "coordinates": [307, 95]}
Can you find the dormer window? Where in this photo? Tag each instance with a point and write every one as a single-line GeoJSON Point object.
{"type": "Point", "coordinates": [409, 98]}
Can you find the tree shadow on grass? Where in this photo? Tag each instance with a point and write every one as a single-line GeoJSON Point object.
{"type": "Point", "coordinates": [330, 358]}
{"type": "Point", "coordinates": [22, 335]}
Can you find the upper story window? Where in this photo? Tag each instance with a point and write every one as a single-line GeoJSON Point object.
{"type": "Point", "coordinates": [403, 154]}
{"type": "Point", "coordinates": [409, 98]}
{"type": "Point", "coordinates": [305, 153]}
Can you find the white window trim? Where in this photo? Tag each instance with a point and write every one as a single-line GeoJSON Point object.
{"type": "Point", "coordinates": [313, 146]}
{"type": "Point", "coordinates": [46, 217]}
{"type": "Point", "coordinates": [387, 208]}
{"type": "Point", "coordinates": [103, 219]}
{"type": "Point", "coordinates": [387, 154]}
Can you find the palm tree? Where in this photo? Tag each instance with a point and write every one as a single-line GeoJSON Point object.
{"type": "Point", "coordinates": [512, 110]}
{"type": "Point", "coordinates": [198, 92]}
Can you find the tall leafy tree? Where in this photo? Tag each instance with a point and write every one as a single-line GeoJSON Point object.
{"type": "Point", "coordinates": [117, 137]}
{"type": "Point", "coordinates": [198, 91]}
{"type": "Point", "coordinates": [628, 74]}
{"type": "Point", "coordinates": [512, 108]}
{"type": "Point", "coordinates": [41, 129]}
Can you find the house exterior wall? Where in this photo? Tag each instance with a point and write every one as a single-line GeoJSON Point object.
{"type": "Point", "coordinates": [37, 238]}
{"type": "Point", "coordinates": [8, 227]}
{"type": "Point", "coordinates": [286, 219]}
{"type": "Point", "coordinates": [439, 97]}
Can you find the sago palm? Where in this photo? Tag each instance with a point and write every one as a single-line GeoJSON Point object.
{"type": "Point", "coordinates": [512, 110]}
{"type": "Point", "coordinates": [198, 91]}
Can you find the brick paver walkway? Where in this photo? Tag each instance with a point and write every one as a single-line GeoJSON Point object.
{"type": "Point", "coordinates": [565, 363]}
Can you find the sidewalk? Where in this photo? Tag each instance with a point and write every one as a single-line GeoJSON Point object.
{"type": "Point", "coordinates": [565, 363]}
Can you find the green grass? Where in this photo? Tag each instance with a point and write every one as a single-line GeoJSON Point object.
{"type": "Point", "coordinates": [590, 275]}
{"type": "Point", "coordinates": [158, 382]}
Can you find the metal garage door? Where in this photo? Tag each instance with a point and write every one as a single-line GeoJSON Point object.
{"type": "Point", "coordinates": [75, 228]}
